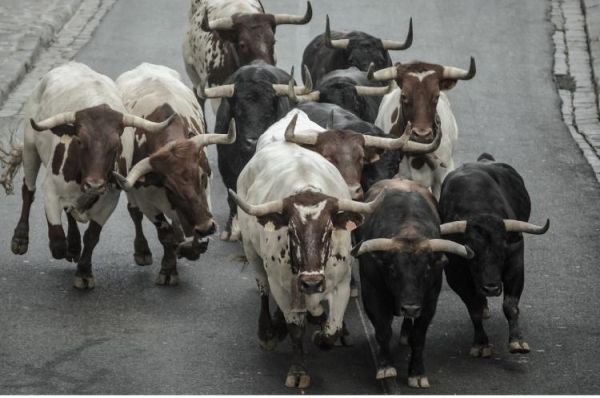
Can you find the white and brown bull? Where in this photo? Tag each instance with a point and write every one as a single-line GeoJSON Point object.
{"type": "Point", "coordinates": [77, 126]}
{"type": "Point", "coordinates": [223, 35]}
{"type": "Point", "coordinates": [295, 220]}
{"type": "Point", "coordinates": [170, 179]}
{"type": "Point", "coordinates": [420, 100]}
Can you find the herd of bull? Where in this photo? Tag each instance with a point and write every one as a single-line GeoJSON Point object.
{"type": "Point", "coordinates": [356, 162]}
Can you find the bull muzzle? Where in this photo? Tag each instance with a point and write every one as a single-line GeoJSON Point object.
{"type": "Point", "coordinates": [206, 229]}
{"type": "Point", "coordinates": [312, 283]}
{"type": "Point", "coordinates": [492, 289]}
{"type": "Point", "coordinates": [356, 192]}
{"type": "Point", "coordinates": [408, 311]}
{"type": "Point", "coordinates": [422, 135]}
{"type": "Point", "coordinates": [95, 187]}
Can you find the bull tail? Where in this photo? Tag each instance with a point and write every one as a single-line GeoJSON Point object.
{"type": "Point", "coordinates": [11, 159]}
{"type": "Point", "coordinates": [486, 156]}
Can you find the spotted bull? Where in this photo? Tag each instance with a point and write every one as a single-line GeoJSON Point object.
{"type": "Point", "coordinates": [170, 177]}
{"type": "Point", "coordinates": [79, 129]}
{"type": "Point", "coordinates": [338, 50]}
{"type": "Point", "coordinates": [223, 35]}
{"type": "Point", "coordinates": [295, 220]}
{"type": "Point", "coordinates": [485, 205]}
{"type": "Point", "coordinates": [420, 100]}
{"type": "Point", "coordinates": [401, 259]}
{"type": "Point", "coordinates": [256, 96]}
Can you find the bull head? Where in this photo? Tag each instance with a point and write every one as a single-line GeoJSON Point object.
{"type": "Point", "coordinates": [343, 44]}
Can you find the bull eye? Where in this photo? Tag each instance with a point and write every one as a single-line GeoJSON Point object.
{"type": "Point", "coordinates": [404, 98]}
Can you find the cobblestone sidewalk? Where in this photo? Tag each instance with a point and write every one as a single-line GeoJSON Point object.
{"type": "Point", "coordinates": [577, 71]}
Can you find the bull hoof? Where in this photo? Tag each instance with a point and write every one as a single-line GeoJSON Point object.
{"type": "Point", "coordinates": [418, 382]}
{"type": "Point", "coordinates": [486, 312]}
{"type": "Point", "coordinates": [84, 282]}
{"type": "Point", "coordinates": [323, 341]}
{"type": "Point", "coordinates": [143, 258]}
{"type": "Point", "coordinates": [268, 345]}
{"type": "Point", "coordinates": [403, 340]}
{"type": "Point", "coordinates": [73, 253]}
{"type": "Point", "coordinates": [58, 249]}
{"type": "Point", "coordinates": [19, 245]}
{"type": "Point", "coordinates": [297, 378]}
{"type": "Point", "coordinates": [481, 351]}
{"type": "Point", "coordinates": [167, 279]}
{"type": "Point", "coordinates": [386, 372]}
{"type": "Point", "coordinates": [518, 347]}
{"type": "Point", "coordinates": [353, 291]}
{"type": "Point", "coordinates": [225, 235]}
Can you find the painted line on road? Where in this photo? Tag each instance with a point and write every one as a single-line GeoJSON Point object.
{"type": "Point", "coordinates": [369, 332]}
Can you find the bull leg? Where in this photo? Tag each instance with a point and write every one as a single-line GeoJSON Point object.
{"type": "Point", "coordinates": [142, 254]}
{"type": "Point", "coordinates": [73, 240]}
{"type": "Point", "coordinates": [381, 315]}
{"type": "Point", "coordinates": [513, 281]}
{"type": "Point", "coordinates": [464, 286]}
{"type": "Point", "coordinates": [416, 367]}
{"type": "Point", "coordinates": [20, 240]}
{"type": "Point", "coordinates": [407, 325]}
{"type": "Point", "coordinates": [334, 326]}
{"type": "Point", "coordinates": [56, 234]}
{"type": "Point", "coordinates": [297, 375]}
{"type": "Point", "coordinates": [231, 230]}
{"type": "Point", "coordinates": [83, 277]}
{"type": "Point", "coordinates": [168, 268]}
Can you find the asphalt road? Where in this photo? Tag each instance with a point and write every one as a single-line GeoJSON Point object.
{"type": "Point", "coordinates": [129, 336]}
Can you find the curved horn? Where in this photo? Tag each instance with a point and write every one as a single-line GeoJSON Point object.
{"type": "Point", "coordinates": [451, 72]}
{"type": "Point", "coordinates": [281, 19]}
{"type": "Point", "coordinates": [130, 120]}
{"type": "Point", "coordinates": [301, 138]}
{"type": "Point", "coordinates": [53, 121]}
{"type": "Point", "coordinates": [522, 226]}
{"type": "Point", "coordinates": [396, 45]}
{"type": "Point", "coordinates": [389, 143]}
{"type": "Point", "coordinates": [141, 168]}
{"type": "Point", "coordinates": [220, 23]}
{"type": "Point", "coordinates": [300, 98]}
{"type": "Point", "coordinates": [360, 207]}
{"type": "Point", "coordinates": [224, 91]}
{"type": "Point", "coordinates": [454, 227]}
{"type": "Point", "coordinates": [283, 89]}
{"type": "Point", "coordinates": [385, 74]}
{"type": "Point", "coordinates": [416, 148]}
{"type": "Point", "coordinates": [448, 246]}
{"type": "Point", "coordinates": [341, 44]}
{"type": "Point", "coordinates": [223, 139]}
{"type": "Point", "coordinates": [377, 245]}
{"type": "Point", "coordinates": [330, 124]}
{"type": "Point", "coordinates": [275, 206]}
{"type": "Point", "coordinates": [374, 90]}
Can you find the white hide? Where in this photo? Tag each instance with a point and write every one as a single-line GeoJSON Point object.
{"type": "Point", "coordinates": [276, 132]}
{"type": "Point", "coordinates": [279, 170]}
{"type": "Point", "coordinates": [144, 89]}
{"type": "Point", "coordinates": [449, 129]}
{"type": "Point", "coordinates": [200, 53]}
{"type": "Point", "coordinates": [70, 87]}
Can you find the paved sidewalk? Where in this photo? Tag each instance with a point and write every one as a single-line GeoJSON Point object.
{"type": "Point", "coordinates": [577, 71]}
{"type": "Point", "coordinates": [27, 27]}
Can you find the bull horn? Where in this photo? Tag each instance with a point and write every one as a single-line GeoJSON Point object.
{"type": "Point", "coordinates": [141, 168]}
{"type": "Point", "coordinates": [300, 98]}
{"type": "Point", "coordinates": [454, 227]}
{"type": "Point", "coordinates": [220, 23]}
{"type": "Point", "coordinates": [451, 72]}
{"type": "Point", "coordinates": [448, 246]}
{"type": "Point", "coordinates": [360, 207]}
{"type": "Point", "coordinates": [130, 120]}
{"type": "Point", "coordinates": [341, 44]}
{"type": "Point", "coordinates": [53, 121]}
{"type": "Point", "coordinates": [222, 139]}
{"type": "Point", "coordinates": [224, 91]}
{"type": "Point", "coordinates": [283, 89]}
{"type": "Point", "coordinates": [330, 123]}
{"type": "Point", "coordinates": [301, 138]}
{"type": "Point", "coordinates": [281, 19]}
{"type": "Point", "coordinates": [275, 206]}
{"type": "Point", "coordinates": [374, 90]}
{"type": "Point", "coordinates": [416, 148]}
{"type": "Point", "coordinates": [389, 143]}
{"type": "Point", "coordinates": [377, 245]}
{"type": "Point", "coordinates": [522, 226]}
{"type": "Point", "coordinates": [396, 45]}
{"type": "Point", "coordinates": [385, 74]}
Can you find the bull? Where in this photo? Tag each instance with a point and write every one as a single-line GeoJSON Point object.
{"type": "Point", "coordinates": [486, 206]}
{"type": "Point", "coordinates": [401, 259]}
{"type": "Point", "coordinates": [421, 100]}
{"type": "Point", "coordinates": [80, 130]}
{"type": "Point", "coordinates": [223, 35]}
{"type": "Point", "coordinates": [295, 223]}
{"type": "Point", "coordinates": [337, 50]}
{"type": "Point", "coordinates": [170, 177]}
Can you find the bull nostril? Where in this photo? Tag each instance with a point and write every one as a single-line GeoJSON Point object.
{"type": "Point", "coordinates": [411, 310]}
{"type": "Point", "coordinates": [492, 289]}
{"type": "Point", "coordinates": [96, 186]}
{"type": "Point", "coordinates": [312, 286]}
{"type": "Point", "coordinates": [202, 232]}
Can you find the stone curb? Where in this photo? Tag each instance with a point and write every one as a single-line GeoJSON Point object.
{"type": "Point", "coordinates": [575, 75]}
{"type": "Point", "coordinates": [32, 43]}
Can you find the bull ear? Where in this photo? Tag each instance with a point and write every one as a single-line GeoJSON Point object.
{"type": "Point", "coordinates": [447, 84]}
{"type": "Point", "coordinates": [372, 155]}
{"type": "Point", "coordinates": [273, 221]}
{"type": "Point", "coordinates": [347, 220]}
